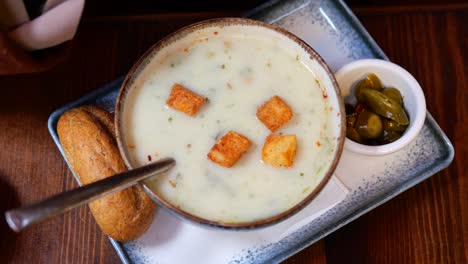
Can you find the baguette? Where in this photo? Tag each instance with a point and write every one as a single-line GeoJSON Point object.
{"type": "Point", "coordinates": [87, 136]}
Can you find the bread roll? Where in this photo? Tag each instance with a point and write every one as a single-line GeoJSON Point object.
{"type": "Point", "coordinates": [87, 136]}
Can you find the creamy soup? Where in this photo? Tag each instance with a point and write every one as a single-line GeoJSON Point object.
{"type": "Point", "coordinates": [237, 68]}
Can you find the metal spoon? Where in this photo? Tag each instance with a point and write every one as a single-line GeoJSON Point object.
{"type": "Point", "coordinates": [22, 217]}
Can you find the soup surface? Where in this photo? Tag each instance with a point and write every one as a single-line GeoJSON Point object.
{"type": "Point", "coordinates": [237, 68]}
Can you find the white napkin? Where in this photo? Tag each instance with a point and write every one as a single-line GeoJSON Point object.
{"type": "Point", "coordinates": [170, 240]}
{"type": "Point", "coordinates": [333, 193]}
{"type": "Point", "coordinates": [53, 27]}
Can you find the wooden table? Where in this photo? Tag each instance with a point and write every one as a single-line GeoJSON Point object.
{"type": "Point", "coordinates": [426, 224]}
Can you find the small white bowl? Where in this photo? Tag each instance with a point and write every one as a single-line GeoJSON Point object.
{"type": "Point", "coordinates": [391, 75]}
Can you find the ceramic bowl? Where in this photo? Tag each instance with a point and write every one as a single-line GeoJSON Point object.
{"type": "Point", "coordinates": [323, 72]}
{"type": "Point", "coordinates": [391, 75]}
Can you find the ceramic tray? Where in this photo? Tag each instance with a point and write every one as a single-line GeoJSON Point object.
{"type": "Point", "coordinates": [334, 32]}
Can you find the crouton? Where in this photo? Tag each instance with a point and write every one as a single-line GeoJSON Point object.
{"type": "Point", "coordinates": [279, 150]}
{"type": "Point", "coordinates": [228, 150]}
{"type": "Point", "coordinates": [184, 100]}
{"type": "Point", "coordinates": [274, 113]}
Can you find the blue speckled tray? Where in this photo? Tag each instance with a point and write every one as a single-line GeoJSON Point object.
{"type": "Point", "coordinates": [333, 31]}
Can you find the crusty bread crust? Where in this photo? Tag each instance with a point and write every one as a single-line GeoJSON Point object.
{"type": "Point", "coordinates": [87, 136]}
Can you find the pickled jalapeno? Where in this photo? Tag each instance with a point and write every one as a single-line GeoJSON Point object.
{"type": "Point", "coordinates": [368, 125]}
{"type": "Point", "coordinates": [379, 116]}
{"type": "Point", "coordinates": [383, 105]}
{"type": "Point", "coordinates": [390, 125]}
{"type": "Point", "coordinates": [389, 137]}
{"type": "Point", "coordinates": [370, 82]}
{"type": "Point", "coordinates": [393, 93]}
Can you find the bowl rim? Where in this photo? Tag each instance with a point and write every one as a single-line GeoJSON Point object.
{"type": "Point", "coordinates": [420, 101]}
{"type": "Point", "coordinates": [138, 67]}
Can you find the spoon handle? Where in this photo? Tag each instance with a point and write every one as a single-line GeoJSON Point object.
{"type": "Point", "coordinates": [23, 217]}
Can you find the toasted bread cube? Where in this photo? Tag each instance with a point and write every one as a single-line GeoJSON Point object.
{"type": "Point", "coordinates": [228, 150]}
{"type": "Point", "coordinates": [274, 113]}
{"type": "Point", "coordinates": [184, 100]}
{"type": "Point", "coordinates": [279, 150]}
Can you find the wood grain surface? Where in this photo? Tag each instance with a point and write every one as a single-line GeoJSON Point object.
{"type": "Point", "coordinates": [426, 224]}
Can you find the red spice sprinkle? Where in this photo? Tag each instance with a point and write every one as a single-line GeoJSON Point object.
{"type": "Point", "coordinates": [359, 108]}
{"type": "Point", "coordinates": [149, 157]}
{"type": "Point", "coordinates": [318, 144]}
{"type": "Point", "coordinates": [186, 50]}
{"type": "Point", "coordinates": [324, 94]}
{"type": "Point", "coordinates": [216, 32]}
